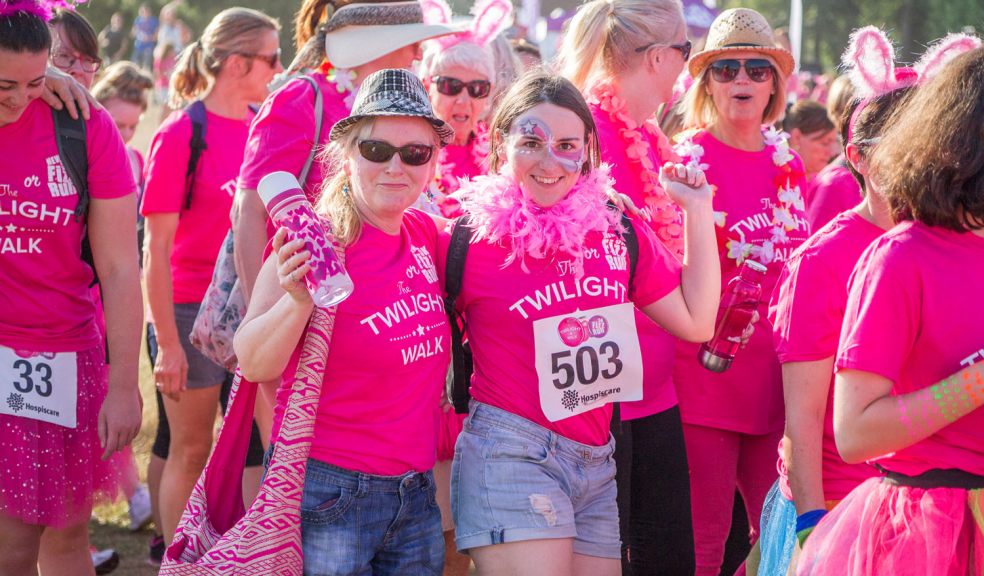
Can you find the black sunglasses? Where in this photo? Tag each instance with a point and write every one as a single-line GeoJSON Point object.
{"type": "Point", "coordinates": [411, 154]}
{"type": "Point", "coordinates": [684, 48]}
{"type": "Point", "coordinates": [270, 59]}
{"type": "Point", "coordinates": [758, 70]}
{"type": "Point", "coordinates": [452, 86]}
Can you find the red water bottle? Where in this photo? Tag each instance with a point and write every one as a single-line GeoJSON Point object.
{"type": "Point", "coordinates": [738, 305]}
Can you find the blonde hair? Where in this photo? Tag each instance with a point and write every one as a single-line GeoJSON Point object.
{"type": "Point", "coordinates": [232, 31]}
{"type": "Point", "coordinates": [700, 111]}
{"type": "Point", "coordinates": [839, 99]}
{"type": "Point", "coordinates": [124, 81]}
{"type": "Point", "coordinates": [603, 36]}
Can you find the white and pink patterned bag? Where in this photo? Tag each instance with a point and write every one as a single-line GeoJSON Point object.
{"type": "Point", "coordinates": [216, 537]}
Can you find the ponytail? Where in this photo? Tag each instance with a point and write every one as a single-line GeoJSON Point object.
{"type": "Point", "coordinates": [580, 58]}
{"type": "Point", "coordinates": [192, 76]}
{"type": "Point", "coordinates": [309, 18]}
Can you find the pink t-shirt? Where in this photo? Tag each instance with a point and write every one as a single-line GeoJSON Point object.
{"type": "Point", "coordinates": [282, 134]}
{"type": "Point", "coordinates": [501, 304]}
{"type": "Point", "coordinates": [44, 285]}
{"type": "Point", "coordinates": [203, 226]}
{"type": "Point", "coordinates": [914, 317]}
{"type": "Point", "coordinates": [388, 357]}
{"type": "Point", "coordinates": [807, 311]}
{"type": "Point", "coordinates": [658, 392]}
{"type": "Point", "coordinates": [746, 398]}
{"type": "Point", "coordinates": [832, 191]}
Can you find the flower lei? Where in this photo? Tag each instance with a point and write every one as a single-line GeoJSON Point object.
{"type": "Point", "coordinates": [500, 211]}
{"type": "Point", "coordinates": [788, 196]}
{"type": "Point", "coordinates": [343, 79]}
{"type": "Point", "coordinates": [664, 213]}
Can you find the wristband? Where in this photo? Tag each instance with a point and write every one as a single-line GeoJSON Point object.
{"type": "Point", "coordinates": [806, 522]}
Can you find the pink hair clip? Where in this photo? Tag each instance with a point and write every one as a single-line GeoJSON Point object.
{"type": "Point", "coordinates": [491, 18]}
{"type": "Point", "coordinates": [870, 61]}
{"type": "Point", "coordinates": [43, 9]}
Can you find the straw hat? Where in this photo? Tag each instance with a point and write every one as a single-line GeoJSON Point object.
{"type": "Point", "coordinates": [361, 32]}
{"type": "Point", "coordinates": [740, 30]}
{"type": "Point", "coordinates": [392, 92]}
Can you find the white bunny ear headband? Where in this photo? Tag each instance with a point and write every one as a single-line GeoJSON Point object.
{"type": "Point", "coordinates": [491, 18]}
{"type": "Point", "coordinates": [870, 61]}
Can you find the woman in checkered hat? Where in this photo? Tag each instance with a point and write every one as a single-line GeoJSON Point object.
{"type": "Point", "coordinates": [369, 498]}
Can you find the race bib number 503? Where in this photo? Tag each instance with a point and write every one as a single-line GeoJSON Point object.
{"type": "Point", "coordinates": [587, 359]}
{"type": "Point", "coordinates": [39, 385]}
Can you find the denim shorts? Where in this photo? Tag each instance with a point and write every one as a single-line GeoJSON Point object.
{"type": "Point", "coordinates": [513, 480]}
{"type": "Point", "coordinates": [202, 372]}
{"type": "Point", "coordinates": [360, 524]}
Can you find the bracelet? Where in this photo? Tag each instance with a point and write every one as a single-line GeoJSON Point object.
{"type": "Point", "coordinates": [806, 522]}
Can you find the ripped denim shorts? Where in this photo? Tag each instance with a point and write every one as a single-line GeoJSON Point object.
{"type": "Point", "coordinates": [513, 480]}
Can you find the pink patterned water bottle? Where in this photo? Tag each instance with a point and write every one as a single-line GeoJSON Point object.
{"type": "Point", "coordinates": [289, 208]}
{"type": "Point", "coordinates": [738, 305]}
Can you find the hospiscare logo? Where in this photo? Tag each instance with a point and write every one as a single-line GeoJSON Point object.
{"type": "Point", "coordinates": [15, 402]}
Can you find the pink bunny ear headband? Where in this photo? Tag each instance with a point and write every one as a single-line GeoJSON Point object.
{"type": "Point", "coordinates": [870, 61]}
{"type": "Point", "coordinates": [491, 18]}
{"type": "Point", "coordinates": [43, 9]}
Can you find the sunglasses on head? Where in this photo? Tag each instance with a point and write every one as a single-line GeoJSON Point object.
{"type": "Point", "coordinates": [758, 69]}
{"type": "Point", "coordinates": [452, 86]}
{"type": "Point", "coordinates": [684, 48]}
{"type": "Point", "coordinates": [411, 154]}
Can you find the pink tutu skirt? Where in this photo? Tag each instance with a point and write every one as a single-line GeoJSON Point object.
{"type": "Point", "coordinates": [883, 529]}
{"type": "Point", "coordinates": [51, 475]}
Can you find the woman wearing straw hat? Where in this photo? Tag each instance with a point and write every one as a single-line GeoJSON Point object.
{"type": "Point", "coordinates": [369, 499]}
{"type": "Point", "coordinates": [339, 44]}
{"type": "Point", "coordinates": [625, 56]}
{"type": "Point", "coordinates": [733, 420]}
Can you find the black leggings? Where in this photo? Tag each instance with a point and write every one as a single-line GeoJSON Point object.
{"type": "Point", "coordinates": [654, 496]}
{"type": "Point", "coordinates": [162, 440]}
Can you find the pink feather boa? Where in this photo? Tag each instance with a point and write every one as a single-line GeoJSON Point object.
{"type": "Point", "coordinates": [43, 9]}
{"type": "Point", "coordinates": [502, 213]}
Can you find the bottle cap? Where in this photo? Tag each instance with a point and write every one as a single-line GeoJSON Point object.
{"type": "Point", "coordinates": [276, 183]}
{"type": "Point", "coordinates": [760, 268]}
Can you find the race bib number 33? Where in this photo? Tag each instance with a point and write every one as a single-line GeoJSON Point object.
{"type": "Point", "coordinates": [587, 359]}
{"type": "Point", "coordinates": [39, 385]}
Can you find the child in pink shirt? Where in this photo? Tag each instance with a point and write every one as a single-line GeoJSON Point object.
{"type": "Point", "coordinates": [910, 322]}
{"type": "Point", "coordinates": [549, 296]}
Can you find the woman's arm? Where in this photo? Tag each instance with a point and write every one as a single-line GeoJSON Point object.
{"type": "Point", "coordinates": [249, 225]}
{"type": "Point", "coordinates": [869, 421]}
{"type": "Point", "coordinates": [805, 388]}
{"type": "Point", "coordinates": [171, 368]}
{"type": "Point", "coordinates": [277, 314]}
{"type": "Point", "coordinates": [114, 254]}
{"type": "Point", "coordinates": [61, 90]}
{"type": "Point", "coordinates": [689, 311]}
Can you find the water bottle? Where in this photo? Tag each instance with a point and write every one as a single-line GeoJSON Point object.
{"type": "Point", "coordinates": [738, 305]}
{"type": "Point", "coordinates": [289, 208]}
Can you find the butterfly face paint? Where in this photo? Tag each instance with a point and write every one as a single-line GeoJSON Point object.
{"type": "Point", "coordinates": [531, 138]}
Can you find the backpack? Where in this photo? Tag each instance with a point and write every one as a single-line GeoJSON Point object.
{"type": "Point", "coordinates": [70, 136]}
{"type": "Point", "coordinates": [462, 365]}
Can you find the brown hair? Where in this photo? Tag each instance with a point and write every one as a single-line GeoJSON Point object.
{"type": "Point", "coordinates": [930, 162]}
{"type": "Point", "coordinates": [536, 88]}
{"type": "Point", "coordinates": [232, 31]}
{"type": "Point", "coordinates": [124, 81]}
{"type": "Point", "coordinates": [78, 32]}
{"type": "Point", "coordinates": [869, 124]}
{"type": "Point", "coordinates": [807, 116]}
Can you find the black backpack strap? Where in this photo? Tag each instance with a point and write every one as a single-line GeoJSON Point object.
{"type": "Point", "coordinates": [72, 149]}
{"type": "Point", "coordinates": [461, 359]}
{"type": "Point", "coordinates": [632, 247]}
{"type": "Point", "coordinates": [196, 112]}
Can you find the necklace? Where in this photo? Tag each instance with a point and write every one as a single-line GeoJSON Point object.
{"type": "Point", "coordinates": [788, 196]}
{"type": "Point", "coordinates": [452, 173]}
{"type": "Point", "coordinates": [665, 215]}
{"type": "Point", "coordinates": [343, 79]}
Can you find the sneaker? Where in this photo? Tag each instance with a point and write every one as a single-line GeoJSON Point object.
{"type": "Point", "coordinates": [105, 561]}
{"type": "Point", "coordinates": [140, 512]}
{"type": "Point", "coordinates": [156, 550]}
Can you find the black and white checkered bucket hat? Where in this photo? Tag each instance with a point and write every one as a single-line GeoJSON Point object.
{"type": "Point", "coordinates": [392, 92]}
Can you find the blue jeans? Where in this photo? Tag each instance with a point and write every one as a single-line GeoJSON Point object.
{"type": "Point", "coordinates": [360, 524]}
